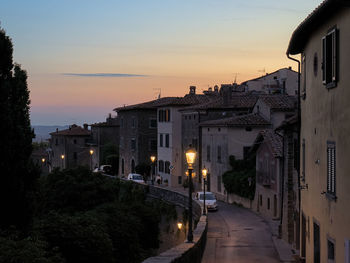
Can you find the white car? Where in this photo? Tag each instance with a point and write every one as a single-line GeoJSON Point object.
{"type": "Point", "coordinates": [136, 178]}
{"type": "Point", "coordinates": [210, 200]}
{"type": "Point", "coordinates": [103, 169]}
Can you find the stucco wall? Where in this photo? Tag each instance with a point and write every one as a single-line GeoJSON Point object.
{"type": "Point", "coordinates": [325, 116]}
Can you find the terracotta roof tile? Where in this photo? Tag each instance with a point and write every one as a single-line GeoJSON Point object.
{"type": "Point", "coordinates": [239, 121]}
{"type": "Point", "coordinates": [270, 137]}
{"type": "Point", "coordinates": [279, 102]}
{"type": "Point", "coordinates": [74, 130]}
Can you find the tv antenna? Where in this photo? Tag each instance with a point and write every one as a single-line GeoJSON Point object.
{"type": "Point", "coordinates": [158, 92]}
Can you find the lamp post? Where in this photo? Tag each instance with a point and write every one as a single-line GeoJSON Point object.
{"type": "Point", "coordinates": [204, 174]}
{"type": "Point", "coordinates": [153, 159]}
{"type": "Point", "coordinates": [91, 153]}
{"type": "Point", "coordinates": [62, 158]}
{"type": "Point", "coordinates": [190, 158]}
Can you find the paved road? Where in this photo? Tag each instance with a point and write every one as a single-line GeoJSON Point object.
{"type": "Point", "coordinates": [238, 235]}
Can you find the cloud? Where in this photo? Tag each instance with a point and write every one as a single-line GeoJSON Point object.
{"type": "Point", "coordinates": [104, 75]}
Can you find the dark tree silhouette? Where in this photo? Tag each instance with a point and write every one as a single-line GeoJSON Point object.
{"type": "Point", "coordinates": [17, 174]}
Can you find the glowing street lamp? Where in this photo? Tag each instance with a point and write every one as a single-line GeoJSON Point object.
{"type": "Point", "coordinates": [153, 159]}
{"type": "Point", "coordinates": [62, 158]}
{"type": "Point", "coordinates": [179, 226]}
{"type": "Point", "coordinates": [91, 153]}
{"type": "Point", "coordinates": [204, 175]}
{"type": "Point", "coordinates": [190, 158]}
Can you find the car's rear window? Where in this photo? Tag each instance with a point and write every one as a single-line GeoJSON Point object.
{"type": "Point", "coordinates": [137, 177]}
{"type": "Point", "coordinates": [207, 196]}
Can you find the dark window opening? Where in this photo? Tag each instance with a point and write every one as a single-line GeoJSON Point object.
{"type": "Point", "coordinates": [330, 59]}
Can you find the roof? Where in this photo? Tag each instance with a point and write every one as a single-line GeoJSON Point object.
{"type": "Point", "coordinates": [280, 102]}
{"type": "Point", "coordinates": [73, 130]}
{"type": "Point", "coordinates": [290, 122]}
{"type": "Point", "coordinates": [271, 138]}
{"type": "Point", "coordinates": [189, 99]}
{"type": "Point", "coordinates": [267, 74]}
{"type": "Point", "coordinates": [253, 119]}
{"type": "Point", "coordinates": [238, 101]}
{"type": "Point", "coordinates": [314, 20]}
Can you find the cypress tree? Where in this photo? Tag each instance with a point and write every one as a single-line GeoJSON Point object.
{"type": "Point", "coordinates": [17, 174]}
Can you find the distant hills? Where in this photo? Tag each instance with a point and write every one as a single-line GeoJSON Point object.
{"type": "Point", "coordinates": [42, 132]}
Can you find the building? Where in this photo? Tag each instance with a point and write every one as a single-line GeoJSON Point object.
{"type": "Point", "coordinates": [105, 134]}
{"type": "Point", "coordinates": [290, 217]}
{"type": "Point", "coordinates": [276, 108]}
{"type": "Point", "coordinates": [268, 148]}
{"type": "Point", "coordinates": [282, 81]}
{"type": "Point", "coordinates": [216, 108]}
{"type": "Point", "coordinates": [224, 137]}
{"type": "Point", "coordinates": [71, 147]}
{"type": "Point", "coordinates": [137, 135]}
{"type": "Point", "coordinates": [171, 149]}
{"type": "Point", "coordinates": [322, 40]}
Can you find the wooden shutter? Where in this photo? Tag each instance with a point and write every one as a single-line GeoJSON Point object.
{"type": "Point", "coordinates": [331, 168]}
{"type": "Point", "coordinates": [324, 60]}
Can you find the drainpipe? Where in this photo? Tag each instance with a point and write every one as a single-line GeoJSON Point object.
{"type": "Point", "coordinates": [298, 131]}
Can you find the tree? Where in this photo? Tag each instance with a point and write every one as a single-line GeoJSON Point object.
{"type": "Point", "coordinates": [18, 175]}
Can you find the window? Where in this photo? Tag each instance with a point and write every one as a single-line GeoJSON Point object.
{"type": "Point", "coordinates": [121, 142]}
{"type": "Point", "coordinates": [56, 142]}
{"type": "Point", "coordinates": [75, 141]}
{"type": "Point", "coordinates": [219, 154]}
{"type": "Point", "coordinates": [75, 156]}
{"type": "Point", "coordinates": [296, 153]}
{"type": "Point", "coordinates": [133, 144]}
{"type": "Point", "coordinates": [330, 58]}
{"type": "Point", "coordinates": [260, 200]}
{"type": "Point", "coordinates": [161, 166]}
{"type": "Point", "coordinates": [331, 168]}
{"type": "Point", "coordinates": [133, 122]}
{"type": "Point", "coordinates": [167, 167]}
{"type": "Point", "coordinates": [167, 140]}
{"type": "Point", "coordinates": [153, 123]}
{"type": "Point", "coordinates": [122, 166]}
{"type": "Point", "coordinates": [152, 145]}
{"type": "Point", "coordinates": [121, 122]}
{"type": "Point", "coordinates": [179, 179]}
{"type": "Point", "coordinates": [208, 153]}
{"type": "Point", "coordinates": [248, 129]}
{"type": "Point", "coordinates": [317, 245]}
{"type": "Point", "coordinates": [303, 161]}
{"type": "Point", "coordinates": [268, 203]}
{"type": "Point", "coordinates": [195, 143]}
{"type": "Point", "coordinates": [303, 64]}
{"type": "Point", "coordinates": [164, 115]}
{"type": "Point", "coordinates": [160, 140]}
{"type": "Point", "coordinates": [330, 251]}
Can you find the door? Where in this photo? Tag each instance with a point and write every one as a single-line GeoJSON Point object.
{"type": "Point", "coordinates": [303, 236]}
{"type": "Point", "coordinates": [316, 243]}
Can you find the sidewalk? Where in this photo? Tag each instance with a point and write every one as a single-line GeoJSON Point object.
{"type": "Point", "coordinates": [284, 250]}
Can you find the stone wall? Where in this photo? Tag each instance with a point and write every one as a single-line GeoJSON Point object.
{"type": "Point", "coordinates": [185, 252]}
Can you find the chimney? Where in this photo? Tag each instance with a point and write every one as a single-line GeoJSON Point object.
{"type": "Point", "coordinates": [85, 126]}
{"type": "Point", "coordinates": [192, 90]}
{"type": "Point", "coordinates": [226, 93]}
{"type": "Point", "coordinates": [216, 88]}
{"type": "Point", "coordinates": [56, 129]}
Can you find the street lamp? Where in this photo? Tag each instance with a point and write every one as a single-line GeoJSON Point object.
{"type": "Point", "coordinates": [204, 175]}
{"type": "Point", "coordinates": [190, 158]}
{"type": "Point", "coordinates": [179, 226]}
{"type": "Point", "coordinates": [153, 159]}
{"type": "Point", "coordinates": [91, 153]}
{"type": "Point", "coordinates": [62, 157]}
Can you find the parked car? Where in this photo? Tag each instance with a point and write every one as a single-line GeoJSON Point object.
{"type": "Point", "coordinates": [107, 169]}
{"type": "Point", "coordinates": [136, 178]}
{"type": "Point", "coordinates": [210, 200]}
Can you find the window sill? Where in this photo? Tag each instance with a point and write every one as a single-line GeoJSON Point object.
{"type": "Point", "coordinates": [331, 85]}
{"type": "Point", "coordinates": [331, 197]}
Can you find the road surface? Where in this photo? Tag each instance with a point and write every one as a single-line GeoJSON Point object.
{"type": "Point", "coordinates": [237, 235]}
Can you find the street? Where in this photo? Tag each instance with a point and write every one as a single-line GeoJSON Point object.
{"type": "Point", "coordinates": [236, 234]}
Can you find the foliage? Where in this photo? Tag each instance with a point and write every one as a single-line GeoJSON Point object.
{"type": "Point", "coordinates": [143, 169]}
{"type": "Point", "coordinates": [18, 175]}
{"type": "Point", "coordinates": [32, 250]}
{"type": "Point", "coordinates": [110, 155]}
{"type": "Point", "coordinates": [237, 179]}
{"type": "Point", "coordinates": [40, 145]}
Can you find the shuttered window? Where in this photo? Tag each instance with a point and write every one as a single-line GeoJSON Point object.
{"type": "Point", "coordinates": [331, 168]}
{"type": "Point", "coordinates": [330, 58]}
{"type": "Point", "coordinates": [303, 161]}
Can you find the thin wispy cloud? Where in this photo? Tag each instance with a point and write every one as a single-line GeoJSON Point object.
{"type": "Point", "coordinates": [104, 75]}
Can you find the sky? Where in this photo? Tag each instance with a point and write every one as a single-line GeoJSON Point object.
{"type": "Point", "coordinates": [86, 57]}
